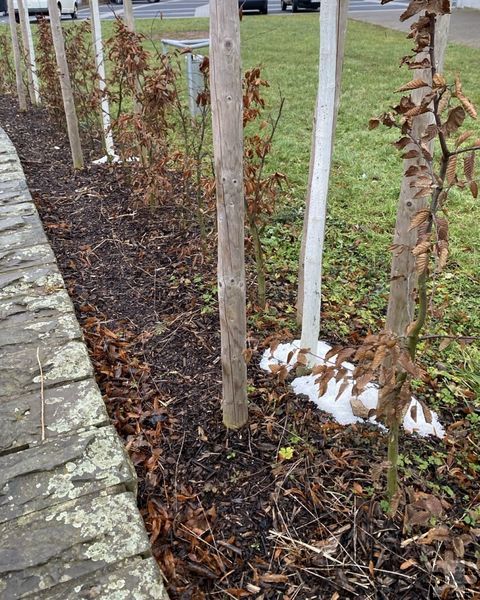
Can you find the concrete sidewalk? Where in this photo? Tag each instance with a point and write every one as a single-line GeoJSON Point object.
{"type": "Point", "coordinates": [464, 25]}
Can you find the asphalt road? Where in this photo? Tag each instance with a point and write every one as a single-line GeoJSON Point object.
{"type": "Point", "coordinates": [177, 9]}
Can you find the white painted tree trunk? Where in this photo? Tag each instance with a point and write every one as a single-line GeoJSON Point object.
{"type": "Point", "coordinates": [324, 135]}
{"type": "Point", "coordinates": [21, 92]}
{"type": "Point", "coordinates": [403, 279]}
{"type": "Point", "coordinates": [100, 64]}
{"type": "Point", "coordinates": [128, 15]}
{"type": "Point", "coordinates": [33, 88]}
{"type": "Point", "coordinates": [227, 125]}
{"type": "Point", "coordinates": [342, 30]}
{"type": "Point", "coordinates": [65, 85]}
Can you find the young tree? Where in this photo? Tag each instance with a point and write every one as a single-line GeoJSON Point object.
{"type": "Point", "coordinates": [66, 86]}
{"type": "Point", "coordinates": [428, 180]}
{"type": "Point", "coordinates": [226, 100]}
{"type": "Point", "coordinates": [21, 92]}
{"type": "Point", "coordinates": [29, 49]}
{"type": "Point", "coordinates": [330, 48]}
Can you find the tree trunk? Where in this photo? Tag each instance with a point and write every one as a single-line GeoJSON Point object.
{"type": "Point", "coordinates": [29, 50]}
{"type": "Point", "coordinates": [66, 86]}
{"type": "Point", "coordinates": [403, 280]}
{"type": "Point", "coordinates": [324, 135]}
{"type": "Point", "coordinates": [128, 15]}
{"type": "Point", "coordinates": [227, 125]}
{"type": "Point", "coordinates": [342, 29]}
{"type": "Point", "coordinates": [100, 64]}
{"type": "Point", "coordinates": [21, 92]}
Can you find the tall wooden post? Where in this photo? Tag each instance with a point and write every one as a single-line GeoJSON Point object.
{"type": "Point", "coordinates": [33, 87]}
{"type": "Point", "coordinates": [100, 64]}
{"type": "Point", "coordinates": [65, 85]}
{"type": "Point", "coordinates": [342, 31]}
{"type": "Point", "coordinates": [401, 301]}
{"type": "Point", "coordinates": [128, 15]}
{"type": "Point", "coordinates": [227, 124]}
{"type": "Point", "coordinates": [324, 135]}
{"type": "Point", "coordinates": [21, 92]}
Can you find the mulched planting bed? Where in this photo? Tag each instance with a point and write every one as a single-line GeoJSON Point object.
{"type": "Point", "coordinates": [227, 516]}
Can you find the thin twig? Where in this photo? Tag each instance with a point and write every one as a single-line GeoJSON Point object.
{"type": "Point", "coordinates": [450, 337]}
{"type": "Point", "coordinates": [42, 398]}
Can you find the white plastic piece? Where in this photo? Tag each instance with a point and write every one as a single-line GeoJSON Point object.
{"type": "Point", "coordinates": [341, 408]}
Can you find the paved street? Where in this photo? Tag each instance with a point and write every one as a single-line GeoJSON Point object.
{"type": "Point", "coordinates": [177, 9]}
{"type": "Point", "coordinates": [464, 28]}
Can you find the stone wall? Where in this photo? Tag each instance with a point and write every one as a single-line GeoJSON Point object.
{"type": "Point", "coordinates": [69, 524]}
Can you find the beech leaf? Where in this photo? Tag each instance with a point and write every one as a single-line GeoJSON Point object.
{"type": "Point", "coordinates": [455, 119]}
{"type": "Point", "coordinates": [415, 84]}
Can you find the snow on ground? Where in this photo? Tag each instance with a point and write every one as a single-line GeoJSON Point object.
{"type": "Point", "coordinates": [106, 159]}
{"type": "Point", "coordinates": [341, 408]}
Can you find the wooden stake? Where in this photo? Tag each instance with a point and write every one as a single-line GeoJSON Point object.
{"type": "Point", "coordinates": [21, 92]}
{"type": "Point", "coordinates": [66, 86]}
{"type": "Point", "coordinates": [342, 31]}
{"type": "Point", "coordinates": [401, 301]}
{"type": "Point", "coordinates": [29, 49]}
{"type": "Point", "coordinates": [128, 15]}
{"type": "Point", "coordinates": [100, 64]}
{"type": "Point", "coordinates": [227, 124]}
{"type": "Point", "coordinates": [324, 135]}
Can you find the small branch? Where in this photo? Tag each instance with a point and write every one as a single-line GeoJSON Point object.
{"type": "Point", "coordinates": [461, 151]}
{"type": "Point", "coordinates": [449, 337]}
{"type": "Point", "coordinates": [42, 397]}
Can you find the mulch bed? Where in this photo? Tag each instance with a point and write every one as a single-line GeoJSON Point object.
{"type": "Point", "coordinates": [226, 516]}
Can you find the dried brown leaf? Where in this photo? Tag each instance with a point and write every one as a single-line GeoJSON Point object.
{"type": "Point", "coordinates": [452, 169]}
{"type": "Point", "coordinates": [342, 388]}
{"type": "Point", "coordinates": [439, 80]}
{"type": "Point", "coordinates": [423, 192]}
{"type": "Point", "coordinates": [444, 101]}
{"type": "Point", "coordinates": [415, 84]}
{"type": "Point", "coordinates": [455, 118]}
{"type": "Point", "coordinates": [358, 408]}
{"type": "Point", "coordinates": [412, 171]}
{"type": "Point", "coordinates": [437, 534]}
{"type": "Point", "coordinates": [469, 166]}
{"type": "Point", "coordinates": [441, 226]}
{"type": "Point", "coordinates": [401, 143]}
{"type": "Point", "coordinates": [421, 263]}
{"type": "Point", "coordinates": [474, 188]}
{"type": "Point", "coordinates": [417, 110]}
{"type": "Point", "coordinates": [411, 154]}
{"type": "Point", "coordinates": [430, 132]}
{"type": "Point", "coordinates": [467, 105]}
{"type": "Point", "coordinates": [462, 138]}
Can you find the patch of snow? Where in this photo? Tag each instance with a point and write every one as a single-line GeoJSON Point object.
{"type": "Point", "coordinates": [106, 159]}
{"type": "Point", "coordinates": [341, 408]}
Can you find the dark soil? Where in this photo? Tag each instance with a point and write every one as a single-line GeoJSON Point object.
{"type": "Point", "coordinates": [227, 516]}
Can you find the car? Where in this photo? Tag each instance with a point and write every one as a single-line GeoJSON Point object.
{"type": "Point", "coordinates": [296, 4]}
{"type": "Point", "coordinates": [260, 5]}
{"type": "Point", "coordinates": [38, 8]}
